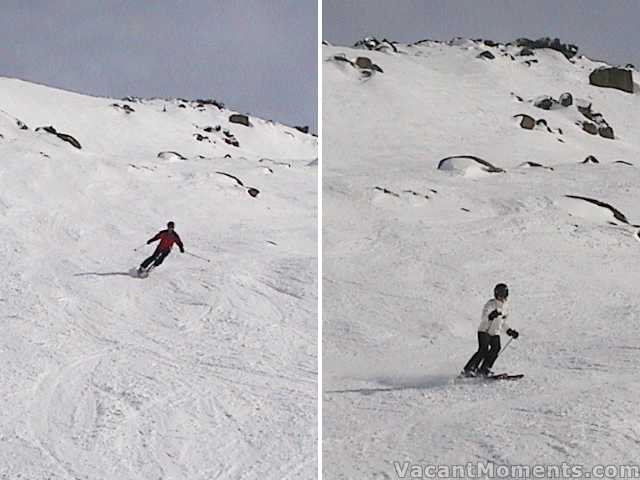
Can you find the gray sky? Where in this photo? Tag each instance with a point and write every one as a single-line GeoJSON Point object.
{"type": "Point", "coordinates": [605, 30]}
{"type": "Point", "coordinates": [256, 56]}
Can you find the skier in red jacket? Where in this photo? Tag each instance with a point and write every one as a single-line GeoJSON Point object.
{"type": "Point", "coordinates": [167, 238]}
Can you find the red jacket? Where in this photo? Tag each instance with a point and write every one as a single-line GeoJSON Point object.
{"type": "Point", "coordinates": [167, 239]}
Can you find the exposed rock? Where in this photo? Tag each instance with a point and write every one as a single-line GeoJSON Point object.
{"type": "Point", "coordinates": [445, 163]}
{"type": "Point", "coordinates": [606, 131]}
{"type": "Point", "coordinates": [416, 194]}
{"type": "Point", "coordinates": [238, 181]}
{"type": "Point", "coordinates": [526, 121]}
{"type": "Point", "coordinates": [525, 52]}
{"type": "Point", "coordinates": [624, 162]}
{"type": "Point", "coordinates": [211, 101]}
{"type": "Point", "coordinates": [566, 99]}
{"type": "Point", "coordinates": [372, 43]}
{"type": "Point", "coordinates": [170, 155]}
{"type": "Point", "coordinates": [568, 50]}
{"type": "Point", "coordinates": [200, 138]}
{"type": "Point", "coordinates": [597, 124]}
{"type": "Point", "coordinates": [240, 119]}
{"type": "Point", "coordinates": [612, 77]}
{"type": "Point", "coordinates": [364, 62]}
{"type": "Point", "coordinates": [590, 128]}
{"type": "Point", "coordinates": [230, 139]}
{"type": "Point", "coordinates": [387, 191]}
{"type": "Point", "coordinates": [304, 129]}
{"type": "Point", "coordinates": [250, 190]}
{"type": "Point", "coordinates": [590, 159]}
{"type": "Point", "coordinates": [182, 105]}
{"type": "Point", "coordinates": [486, 54]}
{"type": "Point", "coordinates": [544, 102]}
{"type": "Point", "coordinates": [21, 125]}
{"type": "Point", "coordinates": [227, 156]}
{"type": "Point", "coordinates": [618, 215]}
{"type": "Point", "coordinates": [342, 58]}
{"type": "Point", "coordinates": [62, 136]}
{"type": "Point", "coordinates": [210, 129]}
{"type": "Point", "coordinates": [590, 114]}
{"type": "Point", "coordinates": [537, 165]}
{"type": "Point", "coordinates": [125, 108]}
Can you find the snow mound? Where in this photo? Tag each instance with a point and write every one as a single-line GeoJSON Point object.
{"type": "Point", "coordinates": [592, 209]}
{"type": "Point", "coordinates": [468, 165]}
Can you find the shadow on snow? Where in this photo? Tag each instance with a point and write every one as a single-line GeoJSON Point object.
{"type": "Point", "coordinates": [133, 273]}
{"type": "Point", "coordinates": [396, 384]}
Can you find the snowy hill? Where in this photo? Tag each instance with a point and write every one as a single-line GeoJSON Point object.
{"type": "Point", "coordinates": [202, 370]}
{"type": "Point", "coordinates": [433, 193]}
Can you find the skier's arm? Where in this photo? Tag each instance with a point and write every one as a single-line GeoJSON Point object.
{"type": "Point", "coordinates": [154, 239]}
{"type": "Point", "coordinates": [507, 329]}
{"type": "Point", "coordinates": [179, 242]}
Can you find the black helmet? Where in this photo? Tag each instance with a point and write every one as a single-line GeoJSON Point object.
{"type": "Point", "coordinates": [171, 225]}
{"type": "Point", "coordinates": [501, 290]}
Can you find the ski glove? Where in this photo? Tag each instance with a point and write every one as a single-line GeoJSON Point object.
{"type": "Point", "coordinates": [149, 242]}
{"type": "Point", "coordinates": [513, 333]}
{"type": "Point", "coordinates": [181, 250]}
{"type": "Point", "coordinates": [493, 315]}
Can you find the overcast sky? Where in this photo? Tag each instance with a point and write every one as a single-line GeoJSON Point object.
{"type": "Point", "coordinates": [256, 56]}
{"type": "Point", "coordinates": [605, 30]}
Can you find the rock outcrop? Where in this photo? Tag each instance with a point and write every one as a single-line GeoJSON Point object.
{"type": "Point", "coordinates": [612, 77]}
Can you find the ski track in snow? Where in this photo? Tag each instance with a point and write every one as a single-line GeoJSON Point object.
{"type": "Point", "coordinates": [405, 277]}
{"type": "Point", "coordinates": [199, 371]}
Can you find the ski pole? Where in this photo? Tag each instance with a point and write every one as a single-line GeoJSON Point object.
{"type": "Point", "coordinates": [505, 347]}
{"type": "Point", "coordinates": [138, 248]}
{"type": "Point", "coordinates": [197, 256]}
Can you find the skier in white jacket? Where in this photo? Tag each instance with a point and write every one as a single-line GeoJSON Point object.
{"type": "Point", "coordinates": [494, 315]}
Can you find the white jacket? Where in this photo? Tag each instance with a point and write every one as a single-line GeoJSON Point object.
{"type": "Point", "coordinates": [498, 324]}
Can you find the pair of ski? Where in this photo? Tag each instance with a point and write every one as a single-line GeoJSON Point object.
{"type": "Point", "coordinates": [496, 376]}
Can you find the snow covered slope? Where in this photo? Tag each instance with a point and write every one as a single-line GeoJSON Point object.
{"type": "Point", "coordinates": [202, 370]}
{"type": "Point", "coordinates": [411, 252]}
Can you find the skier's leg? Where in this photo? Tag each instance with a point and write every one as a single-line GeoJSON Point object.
{"type": "Point", "coordinates": [148, 261]}
{"type": "Point", "coordinates": [483, 348]}
{"type": "Point", "coordinates": [160, 258]}
{"type": "Point", "coordinates": [492, 355]}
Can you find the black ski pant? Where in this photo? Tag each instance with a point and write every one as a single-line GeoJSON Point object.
{"type": "Point", "coordinates": [157, 257]}
{"type": "Point", "coordinates": [485, 357]}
